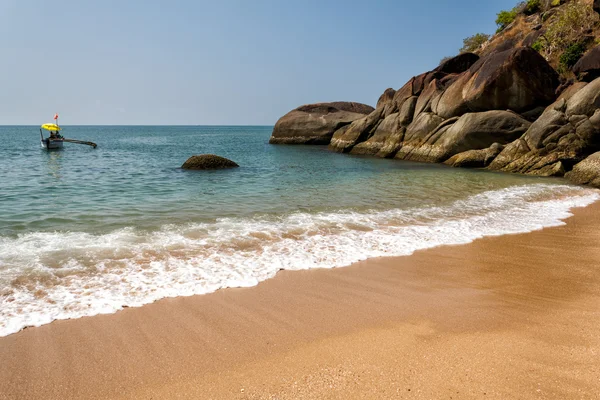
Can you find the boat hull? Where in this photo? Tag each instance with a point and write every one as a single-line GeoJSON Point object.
{"type": "Point", "coordinates": [50, 144]}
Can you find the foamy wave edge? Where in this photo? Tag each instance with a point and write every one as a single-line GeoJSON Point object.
{"type": "Point", "coordinates": [100, 274]}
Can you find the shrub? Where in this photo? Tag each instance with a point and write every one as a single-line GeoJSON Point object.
{"type": "Point", "coordinates": [532, 7]}
{"type": "Point", "coordinates": [473, 43]}
{"type": "Point", "coordinates": [572, 54]}
{"type": "Point", "coordinates": [505, 18]}
{"type": "Point", "coordinates": [537, 46]}
{"type": "Point", "coordinates": [567, 27]}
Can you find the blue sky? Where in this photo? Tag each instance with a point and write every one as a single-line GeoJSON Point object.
{"type": "Point", "coordinates": [217, 62]}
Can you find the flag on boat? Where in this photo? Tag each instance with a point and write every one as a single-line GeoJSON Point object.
{"type": "Point", "coordinates": [55, 116]}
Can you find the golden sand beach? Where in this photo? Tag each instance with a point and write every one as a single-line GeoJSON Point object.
{"type": "Point", "coordinates": [507, 317]}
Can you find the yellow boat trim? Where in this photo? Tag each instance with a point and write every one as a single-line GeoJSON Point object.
{"type": "Point", "coordinates": [51, 127]}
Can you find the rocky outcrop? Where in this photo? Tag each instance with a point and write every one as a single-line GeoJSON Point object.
{"type": "Point", "coordinates": [516, 79]}
{"type": "Point", "coordinates": [503, 110]}
{"type": "Point", "coordinates": [386, 98]}
{"type": "Point", "coordinates": [566, 133]}
{"type": "Point", "coordinates": [358, 131]}
{"type": "Point", "coordinates": [475, 158]}
{"type": "Point", "coordinates": [208, 161]}
{"type": "Point", "coordinates": [588, 66]}
{"type": "Point", "coordinates": [586, 172]}
{"type": "Point", "coordinates": [458, 64]}
{"type": "Point", "coordinates": [381, 132]}
{"type": "Point", "coordinates": [472, 131]}
{"type": "Point", "coordinates": [385, 130]}
{"type": "Point", "coordinates": [316, 123]}
{"type": "Point", "coordinates": [443, 76]}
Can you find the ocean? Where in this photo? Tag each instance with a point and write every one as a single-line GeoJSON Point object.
{"type": "Point", "coordinates": [88, 231]}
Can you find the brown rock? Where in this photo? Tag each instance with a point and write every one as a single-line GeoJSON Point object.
{"type": "Point", "coordinates": [208, 161]}
{"type": "Point", "coordinates": [416, 135]}
{"type": "Point", "coordinates": [458, 64]}
{"type": "Point", "coordinates": [587, 172]}
{"type": "Point", "coordinates": [472, 131]}
{"type": "Point", "coordinates": [316, 123]}
{"type": "Point", "coordinates": [588, 66]}
{"type": "Point", "coordinates": [386, 129]}
{"type": "Point", "coordinates": [425, 99]}
{"type": "Point", "coordinates": [475, 158]}
{"type": "Point", "coordinates": [518, 79]}
{"type": "Point", "coordinates": [407, 111]}
{"type": "Point", "coordinates": [586, 100]}
{"type": "Point", "coordinates": [566, 133]}
{"type": "Point", "coordinates": [357, 132]}
{"type": "Point", "coordinates": [386, 98]}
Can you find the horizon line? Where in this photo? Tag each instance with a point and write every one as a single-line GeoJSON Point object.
{"type": "Point", "coordinates": [36, 125]}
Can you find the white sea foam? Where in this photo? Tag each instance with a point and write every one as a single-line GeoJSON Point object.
{"type": "Point", "coordinates": [50, 276]}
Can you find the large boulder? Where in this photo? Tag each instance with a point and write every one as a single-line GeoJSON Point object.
{"type": "Point", "coordinates": [458, 64]}
{"type": "Point", "coordinates": [316, 123]}
{"type": "Point", "coordinates": [566, 133]}
{"type": "Point", "coordinates": [386, 129]}
{"type": "Point", "coordinates": [588, 66]}
{"type": "Point", "coordinates": [472, 131]}
{"type": "Point", "coordinates": [389, 133]}
{"type": "Point", "coordinates": [417, 134]}
{"type": "Point", "coordinates": [517, 79]}
{"type": "Point", "coordinates": [382, 130]}
{"type": "Point", "coordinates": [587, 172]}
{"type": "Point", "coordinates": [208, 161]}
{"type": "Point", "coordinates": [444, 75]}
{"type": "Point", "coordinates": [475, 158]}
{"type": "Point", "coordinates": [345, 139]}
{"type": "Point", "coordinates": [386, 98]}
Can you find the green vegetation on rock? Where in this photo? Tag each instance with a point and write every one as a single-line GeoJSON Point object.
{"type": "Point", "coordinates": [532, 6]}
{"type": "Point", "coordinates": [572, 54]}
{"type": "Point", "coordinates": [564, 32]}
{"type": "Point", "coordinates": [473, 43]}
{"type": "Point", "coordinates": [505, 18]}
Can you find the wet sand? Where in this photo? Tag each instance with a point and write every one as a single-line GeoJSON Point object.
{"type": "Point", "coordinates": [506, 317]}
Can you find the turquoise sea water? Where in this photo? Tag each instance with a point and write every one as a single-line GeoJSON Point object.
{"type": "Point", "coordinates": [86, 231]}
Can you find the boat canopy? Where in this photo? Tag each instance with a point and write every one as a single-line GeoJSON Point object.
{"type": "Point", "coordinates": [51, 127]}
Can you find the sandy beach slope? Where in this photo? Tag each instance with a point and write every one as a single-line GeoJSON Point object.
{"type": "Point", "coordinates": [505, 317]}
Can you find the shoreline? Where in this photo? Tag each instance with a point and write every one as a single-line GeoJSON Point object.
{"type": "Point", "coordinates": [505, 316]}
{"type": "Point", "coordinates": [152, 277]}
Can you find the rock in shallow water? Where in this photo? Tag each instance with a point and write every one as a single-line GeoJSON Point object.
{"type": "Point", "coordinates": [208, 161]}
{"type": "Point", "coordinates": [586, 172]}
{"type": "Point", "coordinates": [475, 158]}
{"type": "Point", "coordinates": [316, 123]}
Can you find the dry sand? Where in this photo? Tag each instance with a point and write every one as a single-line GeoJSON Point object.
{"type": "Point", "coordinates": [512, 317]}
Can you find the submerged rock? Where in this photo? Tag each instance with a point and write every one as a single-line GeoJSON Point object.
{"type": "Point", "coordinates": [208, 161]}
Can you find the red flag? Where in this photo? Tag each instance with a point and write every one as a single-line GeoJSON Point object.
{"type": "Point", "coordinates": [55, 116]}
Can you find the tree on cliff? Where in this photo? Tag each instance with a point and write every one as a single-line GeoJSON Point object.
{"type": "Point", "coordinates": [505, 18]}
